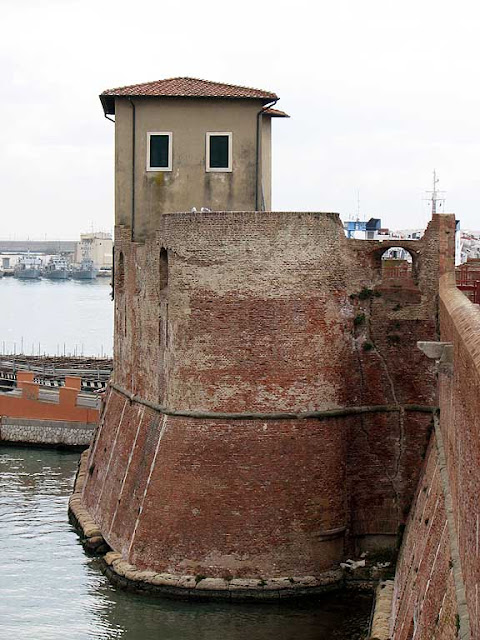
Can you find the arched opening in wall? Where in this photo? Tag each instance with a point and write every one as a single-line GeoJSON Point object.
{"type": "Point", "coordinates": [163, 274]}
{"type": "Point", "coordinates": [397, 265]}
{"type": "Point", "coordinates": [119, 288]}
{"type": "Point", "coordinates": [120, 274]}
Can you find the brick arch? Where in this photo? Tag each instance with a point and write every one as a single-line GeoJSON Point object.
{"type": "Point", "coordinates": [378, 252]}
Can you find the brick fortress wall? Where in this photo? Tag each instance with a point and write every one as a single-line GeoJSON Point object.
{"type": "Point", "coordinates": [438, 576]}
{"type": "Point", "coordinates": [227, 325]}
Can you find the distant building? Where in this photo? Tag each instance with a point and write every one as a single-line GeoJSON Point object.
{"type": "Point", "coordinates": [468, 245]}
{"type": "Point", "coordinates": [95, 246]}
{"type": "Point", "coordinates": [365, 229]}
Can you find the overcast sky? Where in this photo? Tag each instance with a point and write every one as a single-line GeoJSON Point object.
{"type": "Point", "coordinates": [380, 93]}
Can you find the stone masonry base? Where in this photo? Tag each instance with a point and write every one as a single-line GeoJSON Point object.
{"type": "Point", "coordinates": [169, 585]}
{"type": "Point", "coordinates": [53, 433]}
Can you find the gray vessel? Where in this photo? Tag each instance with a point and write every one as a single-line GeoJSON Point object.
{"type": "Point", "coordinates": [28, 268]}
{"type": "Point", "coordinates": [104, 272]}
{"type": "Point", "coordinates": [85, 271]}
{"type": "Point", "coordinates": [57, 268]}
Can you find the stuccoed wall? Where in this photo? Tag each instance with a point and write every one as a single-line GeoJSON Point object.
{"type": "Point", "coordinates": [188, 184]}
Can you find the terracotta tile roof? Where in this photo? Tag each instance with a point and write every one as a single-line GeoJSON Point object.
{"type": "Point", "coordinates": [276, 113]}
{"type": "Point", "coordinates": [183, 88]}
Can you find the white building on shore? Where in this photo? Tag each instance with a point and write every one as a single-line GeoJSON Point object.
{"type": "Point", "coordinates": [96, 246]}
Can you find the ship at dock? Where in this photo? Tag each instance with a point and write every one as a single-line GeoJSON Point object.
{"type": "Point", "coordinates": [57, 268]}
{"type": "Point", "coordinates": [104, 272]}
{"type": "Point", "coordinates": [86, 270]}
{"type": "Point", "coordinates": [28, 268]}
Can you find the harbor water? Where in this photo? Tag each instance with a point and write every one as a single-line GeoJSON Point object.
{"type": "Point", "coordinates": [51, 590]}
{"type": "Point", "coordinates": [56, 317]}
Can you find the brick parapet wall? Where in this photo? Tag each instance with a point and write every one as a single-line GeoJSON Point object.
{"type": "Point", "coordinates": [425, 600]}
{"type": "Point", "coordinates": [438, 598]}
{"type": "Point", "coordinates": [290, 275]}
{"type": "Point", "coordinates": [460, 426]}
{"type": "Point", "coordinates": [260, 314]}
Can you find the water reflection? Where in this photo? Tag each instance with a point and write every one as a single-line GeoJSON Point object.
{"type": "Point", "coordinates": [49, 589]}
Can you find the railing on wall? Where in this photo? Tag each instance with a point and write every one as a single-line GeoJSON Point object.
{"type": "Point", "coordinates": [472, 291]}
{"type": "Point", "coordinates": [397, 272]}
{"type": "Point", "coordinates": [468, 279]}
{"type": "Point", "coordinates": [396, 269]}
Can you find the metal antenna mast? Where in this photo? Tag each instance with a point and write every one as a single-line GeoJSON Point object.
{"type": "Point", "coordinates": [436, 197]}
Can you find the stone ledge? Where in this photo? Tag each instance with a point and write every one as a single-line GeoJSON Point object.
{"type": "Point", "coordinates": [45, 433]}
{"type": "Point", "coordinates": [54, 424]}
{"type": "Point", "coordinates": [171, 585]}
{"type": "Point", "coordinates": [382, 611]}
{"type": "Point", "coordinates": [191, 587]}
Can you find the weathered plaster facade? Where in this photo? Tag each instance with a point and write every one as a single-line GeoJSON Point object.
{"type": "Point", "coordinates": [188, 185]}
{"type": "Point", "coordinates": [195, 110]}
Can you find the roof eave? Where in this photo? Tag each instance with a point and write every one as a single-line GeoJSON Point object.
{"type": "Point", "coordinates": [108, 101]}
{"type": "Point", "coordinates": [108, 104]}
{"type": "Point", "coordinates": [275, 113]}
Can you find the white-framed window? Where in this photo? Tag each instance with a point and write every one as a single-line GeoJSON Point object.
{"type": "Point", "coordinates": [218, 153]}
{"type": "Point", "coordinates": [159, 151]}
